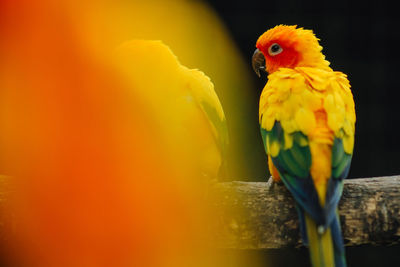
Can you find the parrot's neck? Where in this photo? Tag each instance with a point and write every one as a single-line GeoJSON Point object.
{"type": "Point", "coordinates": [315, 59]}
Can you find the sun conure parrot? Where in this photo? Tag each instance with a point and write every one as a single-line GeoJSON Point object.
{"type": "Point", "coordinates": [307, 120]}
{"type": "Point", "coordinates": [190, 116]}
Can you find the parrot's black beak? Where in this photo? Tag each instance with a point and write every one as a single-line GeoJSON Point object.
{"type": "Point", "coordinates": [258, 62]}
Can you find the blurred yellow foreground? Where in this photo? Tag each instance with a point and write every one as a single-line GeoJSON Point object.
{"type": "Point", "coordinates": [108, 157]}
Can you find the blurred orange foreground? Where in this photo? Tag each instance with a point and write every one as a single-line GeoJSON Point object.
{"type": "Point", "coordinates": [92, 182]}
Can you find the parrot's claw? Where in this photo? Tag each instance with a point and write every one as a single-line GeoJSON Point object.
{"type": "Point", "coordinates": [273, 181]}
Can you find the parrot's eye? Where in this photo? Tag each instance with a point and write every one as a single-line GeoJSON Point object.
{"type": "Point", "coordinates": [274, 49]}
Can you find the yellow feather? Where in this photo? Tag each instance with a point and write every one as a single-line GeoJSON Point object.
{"type": "Point", "coordinates": [320, 167]}
{"type": "Point", "coordinates": [272, 147]}
{"type": "Point", "coordinates": [293, 96]}
{"type": "Point", "coordinates": [321, 245]}
{"type": "Point", "coordinates": [303, 141]}
{"type": "Point", "coordinates": [348, 143]}
{"type": "Point", "coordinates": [288, 140]}
{"type": "Point", "coordinates": [289, 126]}
{"type": "Point", "coordinates": [305, 120]}
{"type": "Point", "coordinates": [268, 122]}
{"type": "Point", "coordinates": [311, 100]}
{"type": "Point", "coordinates": [329, 103]}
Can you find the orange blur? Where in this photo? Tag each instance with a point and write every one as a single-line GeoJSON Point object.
{"type": "Point", "coordinates": [92, 184]}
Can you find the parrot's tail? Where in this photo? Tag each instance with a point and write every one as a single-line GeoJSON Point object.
{"type": "Point", "coordinates": [326, 249]}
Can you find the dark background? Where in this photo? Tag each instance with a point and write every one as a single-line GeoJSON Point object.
{"type": "Point", "coordinates": [361, 39]}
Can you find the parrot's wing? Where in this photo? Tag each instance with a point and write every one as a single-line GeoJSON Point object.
{"type": "Point", "coordinates": [293, 161]}
{"type": "Point", "coordinates": [287, 107]}
{"type": "Point", "coordinates": [209, 103]}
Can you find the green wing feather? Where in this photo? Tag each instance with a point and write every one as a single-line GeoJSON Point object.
{"type": "Point", "coordinates": [294, 160]}
{"type": "Point", "coordinates": [340, 160]}
{"type": "Point", "coordinates": [208, 101]}
{"type": "Point", "coordinates": [219, 123]}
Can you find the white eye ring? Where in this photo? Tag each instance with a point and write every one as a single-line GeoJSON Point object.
{"type": "Point", "coordinates": [275, 49]}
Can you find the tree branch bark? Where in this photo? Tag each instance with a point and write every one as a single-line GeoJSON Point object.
{"type": "Point", "coordinates": [257, 215]}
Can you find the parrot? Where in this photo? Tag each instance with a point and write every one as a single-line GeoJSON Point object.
{"type": "Point", "coordinates": [307, 122]}
{"type": "Point", "coordinates": [191, 116]}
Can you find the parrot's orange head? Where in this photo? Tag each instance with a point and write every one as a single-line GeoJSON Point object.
{"type": "Point", "coordinates": [287, 47]}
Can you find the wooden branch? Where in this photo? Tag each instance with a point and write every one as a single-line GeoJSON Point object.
{"type": "Point", "coordinates": [261, 215]}
{"type": "Point", "coordinates": [257, 215]}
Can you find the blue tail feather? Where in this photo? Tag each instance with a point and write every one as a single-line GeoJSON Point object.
{"type": "Point", "coordinates": [340, 258]}
{"type": "Point", "coordinates": [302, 224]}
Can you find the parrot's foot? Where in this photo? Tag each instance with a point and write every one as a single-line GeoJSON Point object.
{"type": "Point", "coordinates": [272, 181]}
